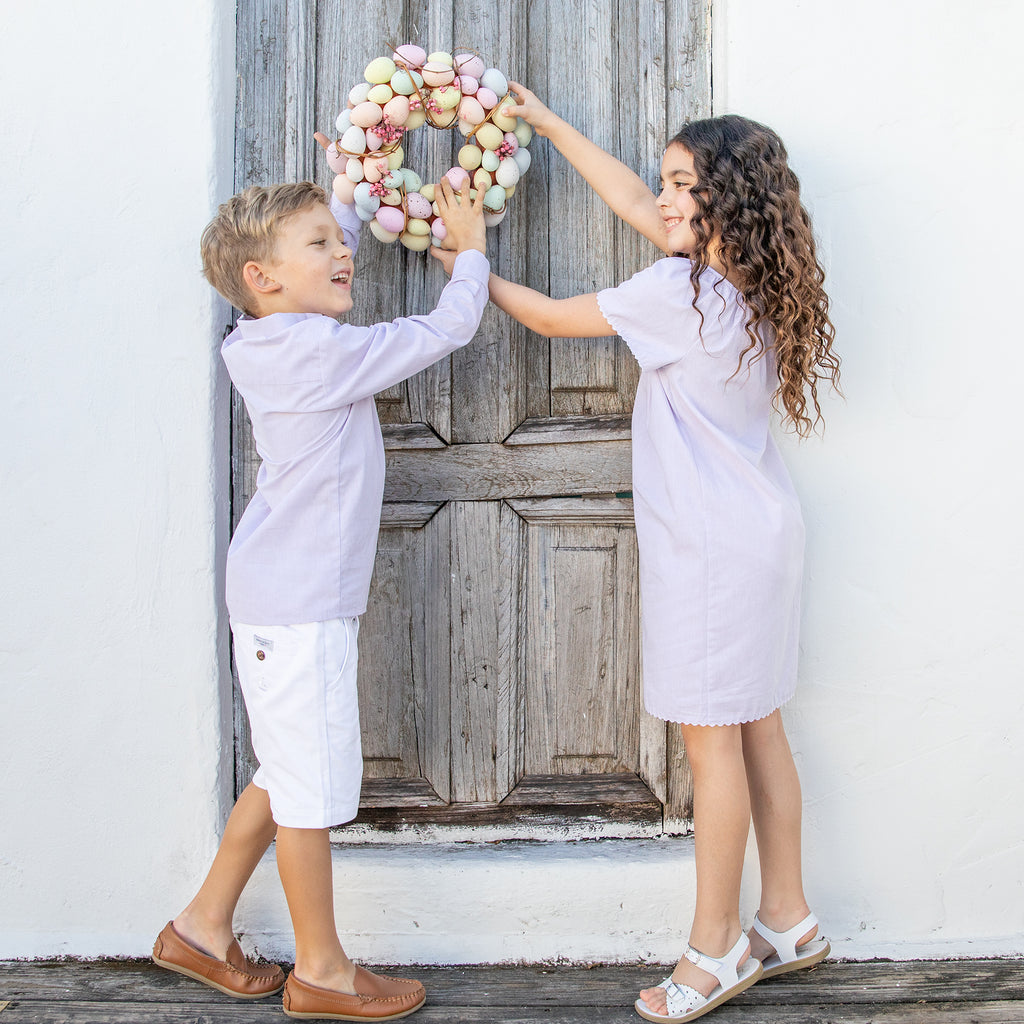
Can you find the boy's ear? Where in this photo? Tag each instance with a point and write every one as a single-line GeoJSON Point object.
{"type": "Point", "coordinates": [258, 280]}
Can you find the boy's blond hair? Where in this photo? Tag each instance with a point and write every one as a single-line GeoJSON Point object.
{"type": "Point", "coordinates": [245, 229]}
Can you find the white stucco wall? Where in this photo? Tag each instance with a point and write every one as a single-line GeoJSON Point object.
{"type": "Point", "coordinates": [113, 412]}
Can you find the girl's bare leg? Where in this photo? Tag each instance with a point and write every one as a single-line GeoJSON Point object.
{"type": "Point", "coordinates": [776, 806]}
{"type": "Point", "coordinates": [721, 821]}
{"type": "Point", "coordinates": [207, 921]}
{"type": "Point", "coordinates": [304, 863]}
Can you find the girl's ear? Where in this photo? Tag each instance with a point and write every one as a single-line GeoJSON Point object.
{"type": "Point", "coordinates": [258, 280]}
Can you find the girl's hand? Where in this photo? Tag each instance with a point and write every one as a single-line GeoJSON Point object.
{"type": "Point", "coordinates": [463, 219]}
{"type": "Point", "coordinates": [446, 257]}
{"type": "Point", "coordinates": [530, 109]}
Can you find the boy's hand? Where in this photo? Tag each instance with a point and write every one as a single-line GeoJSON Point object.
{"type": "Point", "coordinates": [463, 219]}
{"type": "Point", "coordinates": [530, 109]}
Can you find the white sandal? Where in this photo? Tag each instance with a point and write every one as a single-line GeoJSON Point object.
{"type": "Point", "coordinates": [686, 1003]}
{"type": "Point", "coordinates": [788, 956]}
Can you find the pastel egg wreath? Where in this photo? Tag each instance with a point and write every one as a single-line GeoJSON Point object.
{"type": "Point", "coordinates": [401, 93]}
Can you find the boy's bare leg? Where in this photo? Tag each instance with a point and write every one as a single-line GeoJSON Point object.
{"type": "Point", "coordinates": [776, 806]}
{"type": "Point", "coordinates": [304, 863]}
{"type": "Point", "coordinates": [207, 921]}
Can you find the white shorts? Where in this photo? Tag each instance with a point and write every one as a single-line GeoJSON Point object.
{"type": "Point", "coordinates": [299, 685]}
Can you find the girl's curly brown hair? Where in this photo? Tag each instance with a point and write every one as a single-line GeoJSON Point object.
{"type": "Point", "coordinates": [747, 195]}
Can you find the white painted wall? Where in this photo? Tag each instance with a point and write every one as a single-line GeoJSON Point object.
{"type": "Point", "coordinates": [114, 745]}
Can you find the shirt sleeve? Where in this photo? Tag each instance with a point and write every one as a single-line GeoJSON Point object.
{"type": "Point", "coordinates": [357, 362]}
{"type": "Point", "coordinates": [652, 313]}
{"type": "Point", "coordinates": [348, 220]}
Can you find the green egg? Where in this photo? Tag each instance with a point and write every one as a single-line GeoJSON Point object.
{"type": "Point", "coordinates": [494, 198]}
{"type": "Point", "coordinates": [490, 160]}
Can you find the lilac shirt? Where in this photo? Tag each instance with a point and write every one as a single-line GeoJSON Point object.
{"type": "Point", "coordinates": [717, 520]}
{"type": "Point", "coordinates": [305, 546]}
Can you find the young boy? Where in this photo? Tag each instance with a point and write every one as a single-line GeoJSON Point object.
{"type": "Point", "coordinates": [299, 566]}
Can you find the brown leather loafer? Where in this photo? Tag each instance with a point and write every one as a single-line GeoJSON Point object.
{"type": "Point", "coordinates": [376, 998]}
{"type": "Point", "coordinates": [237, 976]}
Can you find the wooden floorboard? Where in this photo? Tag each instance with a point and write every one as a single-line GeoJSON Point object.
{"type": "Point", "coordinates": [876, 992]}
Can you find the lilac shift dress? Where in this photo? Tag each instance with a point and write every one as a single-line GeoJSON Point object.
{"type": "Point", "coordinates": [718, 522]}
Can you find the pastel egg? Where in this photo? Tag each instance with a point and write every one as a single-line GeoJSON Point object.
{"type": "Point", "coordinates": [394, 179]}
{"type": "Point", "coordinates": [396, 110]}
{"type": "Point", "coordinates": [391, 218]}
{"type": "Point", "coordinates": [441, 57]}
{"type": "Point", "coordinates": [416, 118]}
{"type": "Point", "coordinates": [489, 136]}
{"type": "Point", "coordinates": [359, 92]}
{"type": "Point", "coordinates": [447, 96]}
{"type": "Point", "coordinates": [489, 160]}
{"type": "Point", "coordinates": [438, 229]}
{"type": "Point", "coordinates": [379, 70]}
{"type": "Point", "coordinates": [362, 196]}
{"type": "Point", "coordinates": [522, 158]}
{"type": "Point", "coordinates": [505, 122]}
{"type": "Point", "coordinates": [353, 139]}
{"type": "Point", "coordinates": [417, 226]}
{"type": "Point", "coordinates": [418, 205]}
{"type": "Point", "coordinates": [481, 179]}
{"type": "Point", "coordinates": [493, 79]}
{"type": "Point", "coordinates": [412, 54]}
{"type": "Point", "coordinates": [343, 188]}
{"type": "Point", "coordinates": [380, 94]}
{"type": "Point", "coordinates": [427, 191]}
{"type": "Point", "coordinates": [364, 214]}
{"type": "Point", "coordinates": [469, 64]}
{"type": "Point", "coordinates": [467, 84]}
{"type": "Point", "coordinates": [354, 169]}
{"type": "Point", "coordinates": [470, 157]}
{"type": "Point", "coordinates": [512, 142]}
{"type": "Point", "coordinates": [397, 158]}
{"type": "Point", "coordinates": [417, 243]}
{"type": "Point", "coordinates": [373, 141]}
{"type": "Point", "coordinates": [392, 197]}
{"type": "Point", "coordinates": [487, 98]}
{"type": "Point", "coordinates": [335, 160]}
{"type": "Point", "coordinates": [382, 234]}
{"type": "Point", "coordinates": [435, 73]}
{"type": "Point", "coordinates": [410, 179]}
{"type": "Point", "coordinates": [457, 175]}
{"type": "Point", "coordinates": [492, 220]}
{"type": "Point", "coordinates": [405, 83]}
{"type": "Point", "coordinates": [344, 121]}
{"type": "Point", "coordinates": [523, 132]}
{"type": "Point", "coordinates": [466, 128]}
{"type": "Point", "coordinates": [372, 170]}
{"type": "Point", "coordinates": [367, 114]}
{"type": "Point", "coordinates": [507, 173]}
{"type": "Point", "coordinates": [470, 110]}
{"type": "Point", "coordinates": [494, 198]}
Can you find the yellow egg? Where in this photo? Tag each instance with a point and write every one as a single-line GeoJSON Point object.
{"type": "Point", "coordinates": [482, 180]}
{"type": "Point", "coordinates": [395, 159]}
{"type": "Point", "coordinates": [427, 191]}
{"type": "Point", "coordinates": [448, 97]}
{"type": "Point", "coordinates": [380, 70]}
{"type": "Point", "coordinates": [490, 136]}
{"type": "Point", "coordinates": [416, 226]}
{"type": "Point", "coordinates": [441, 57]}
{"type": "Point", "coordinates": [416, 118]}
{"type": "Point", "coordinates": [469, 157]}
{"type": "Point", "coordinates": [378, 232]}
{"type": "Point", "coordinates": [506, 124]}
{"type": "Point", "coordinates": [417, 243]}
{"type": "Point", "coordinates": [380, 94]}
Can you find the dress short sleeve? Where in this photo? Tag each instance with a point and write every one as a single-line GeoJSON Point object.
{"type": "Point", "coordinates": [652, 312]}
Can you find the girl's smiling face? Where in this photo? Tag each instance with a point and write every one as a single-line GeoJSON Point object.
{"type": "Point", "coordinates": [675, 202]}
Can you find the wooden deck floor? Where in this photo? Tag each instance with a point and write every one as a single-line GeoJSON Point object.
{"type": "Point", "coordinates": [881, 992]}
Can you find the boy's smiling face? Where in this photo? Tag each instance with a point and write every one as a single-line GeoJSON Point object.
{"type": "Point", "coordinates": [311, 268]}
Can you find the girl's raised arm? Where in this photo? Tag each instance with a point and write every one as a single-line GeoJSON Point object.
{"type": "Point", "coordinates": [622, 189]}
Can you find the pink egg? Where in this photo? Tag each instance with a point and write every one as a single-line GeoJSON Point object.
{"type": "Point", "coordinates": [390, 218]}
{"type": "Point", "coordinates": [411, 54]}
{"type": "Point", "coordinates": [470, 110]}
{"type": "Point", "coordinates": [457, 175]}
{"type": "Point", "coordinates": [438, 230]}
{"type": "Point", "coordinates": [397, 110]}
{"type": "Point", "coordinates": [469, 64]}
{"type": "Point", "coordinates": [512, 141]}
{"type": "Point", "coordinates": [335, 160]}
{"type": "Point", "coordinates": [367, 114]}
{"type": "Point", "coordinates": [487, 97]}
{"type": "Point", "coordinates": [418, 206]}
{"type": "Point", "coordinates": [373, 140]}
{"type": "Point", "coordinates": [435, 74]}
{"type": "Point", "coordinates": [467, 84]}
{"type": "Point", "coordinates": [344, 188]}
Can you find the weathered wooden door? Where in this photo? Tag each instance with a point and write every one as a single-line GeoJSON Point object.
{"type": "Point", "coordinates": [499, 657]}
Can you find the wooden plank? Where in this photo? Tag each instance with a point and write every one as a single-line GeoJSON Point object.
{"type": "Point", "coordinates": [563, 429]}
{"type": "Point", "coordinates": [405, 792]}
{"type": "Point", "coordinates": [611, 788]}
{"type": "Point", "coordinates": [487, 472]}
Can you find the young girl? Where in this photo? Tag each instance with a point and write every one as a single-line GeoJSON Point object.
{"type": "Point", "coordinates": [734, 321]}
